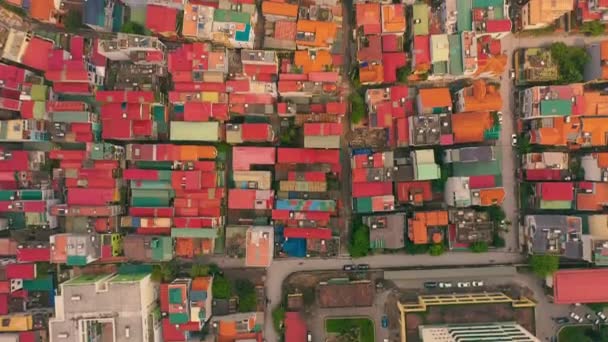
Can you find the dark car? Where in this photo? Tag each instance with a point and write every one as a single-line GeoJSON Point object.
{"type": "Point", "coordinates": [430, 284]}
{"type": "Point", "coordinates": [362, 267]}
{"type": "Point", "coordinates": [384, 321]}
{"type": "Point", "coordinates": [561, 320]}
{"type": "Point", "coordinates": [349, 267]}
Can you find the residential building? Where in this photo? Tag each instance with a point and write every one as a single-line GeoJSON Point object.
{"type": "Point", "coordinates": [495, 331]}
{"type": "Point", "coordinates": [260, 246]}
{"type": "Point", "coordinates": [534, 65]}
{"type": "Point", "coordinates": [592, 196]}
{"type": "Point", "coordinates": [161, 20]}
{"type": "Point", "coordinates": [342, 293]}
{"type": "Point", "coordinates": [469, 154]}
{"type": "Point", "coordinates": [481, 190]}
{"type": "Point", "coordinates": [553, 195]}
{"type": "Point", "coordinates": [386, 231]}
{"type": "Point", "coordinates": [537, 14]}
{"type": "Point", "coordinates": [597, 67]}
{"type": "Point", "coordinates": [440, 54]}
{"type": "Point", "coordinates": [595, 166]}
{"type": "Point", "coordinates": [580, 286]}
{"type": "Point", "coordinates": [134, 48]}
{"type": "Point", "coordinates": [474, 127]}
{"type": "Point", "coordinates": [468, 226]}
{"type": "Point", "coordinates": [146, 248]}
{"type": "Point", "coordinates": [481, 96]}
{"type": "Point", "coordinates": [420, 19]}
{"type": "Point", "coordinates": [546, 166]}
{"type": "Point", "coordinates": [554, 234]}
{"type": "Point", "coordinates": [427, 227]}
{"type": "Point", "coordinates": [119, 307]}
{"type": "Point", "coordinates": [414, 192]}
{"type": "Point", "coordinates": [553, 101]}
{"type": "Point", "coordinates": [238, 326]}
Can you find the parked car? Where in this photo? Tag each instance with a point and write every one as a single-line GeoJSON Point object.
{"type": "Point", "coordinates": [446, 285]}
{"type": "Point", "coordinates": [499, 115]}
{"type": "Point", "coordinates": [478, 283]}
{"type": "Point", "coordinates": [430, 284]}
{"type": "Point", "coordinates": [576, 317]}
{"type": "Point", "coordinates": [589, 317]}
{"type": "Point", "coordinates": [362, 267]}
{"type": "Point", "coordinates": [513, 139]}
{"type": "Point", "coordinates": [561, 320]}
{"type": "Point", "coordinates": [308, 336]}
{"type": "Point", "coordinates": [512, 74]}
{"type": "Point", "coordinates": [601, 315]}
{"type": "Point", "coordinates": [597, 321]}
{"type": "Point", "coordinates": [384, 321]}
{"type": "Point", "coordinates": [349, 267]}
{"type": "Point", "coordinates": [463, 284]}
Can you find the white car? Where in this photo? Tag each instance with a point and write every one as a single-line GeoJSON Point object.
{"type": "Point", "coordinates": [445, 285]}
{"type": "Point", "coordinates": [464, 284]}
{"type": "Point", "coordinates": [499, 115]}
{"type": "Point", "coordinates": [601, 315]}
{"type": "Point", "coordinates": [512, 74]}
{"type": "Point", "coordinates": [478, 283]}
{"type": "Point", "coordinates": [513, 139]}
{"type": "Point", "coordinates": [576, 317]}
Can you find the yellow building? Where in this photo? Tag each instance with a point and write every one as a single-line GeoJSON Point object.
{"type": "Point", "coordinates": [542, 13]}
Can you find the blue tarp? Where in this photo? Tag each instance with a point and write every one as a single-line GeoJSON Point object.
{"type": "Point", "coordinates": [295, 247]}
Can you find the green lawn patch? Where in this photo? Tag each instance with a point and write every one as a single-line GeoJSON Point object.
{"type": "Point", "coordinates": [362, 327]}
{"type": "Point", "coordinates": [583, 333]}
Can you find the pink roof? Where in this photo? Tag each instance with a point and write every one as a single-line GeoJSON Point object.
{"type": "Point", "coordinates": [503, 25]}
{"type": "Point", "coordinates": [580, 286]}
{"type": "Point", "coordinates": [237, 86]}
{"type": "Point", "coordinates": [323, 76]}
{"type": "Point", "coordinates": [255, 131]}
{"type": "Point", "coordinates": [402, 133]}
{"type": "Point", "coordinates": [557, 191]}
{"type": "Point", "coordinates": [391, 62]}
{"type": "Point", "coordinates": [36, 54]}
{"type": "Point", "coordinates": [21, 271]}
{"type": "Point", "coordinates": [119, 96]}
{"type": "Point", "coordinates": [371, 52]}
{"type": "Point", "coordinates": [250, 199]}
{"type": "Point", "coordinates": [543, 174]}
{"type": "Point", "coordinates": [336, 108]}
{"type": "Point", "coordinates": [97, 58]}
{"type": "Point", "coordinates": [307, 233]}
{"type": "Point", "coordinates": [77, 47]}
{"type": "Point", "coordinates": [422, 50]}
{"type": "Point", "coordinates": [295, 327]}
{"type": "Point", "coordinates": [256, 69]}
{"type": "Point", "coordinates": [307, 156]}
{"type": "Point", "coordinates": [369, 189]}
{"type": "Point", "coordinates": [404, 189]}
{"type": "Point", "coordinates": [171, 333]}
{"type": "Point", "coordinates": [71, 88]}
{"type": "Point", "coordinates": [187, 57]}
{"type": "Point", "coordinates": [322, 128]}
{"type": "Point", "coordinates": [116, 129]}
{"type": "Point", "coordinates": [161, 19]}
{"type": "Point", "coordinates": [244, 156]}
{"type": "Point", "coordinates": [200, 86]}
{"type": "Point", "coordinates": [293, 77]}
{"type": "Point", "coordinates": [482, 182]}
{"type": "Point", "coordinates": [390, 43]}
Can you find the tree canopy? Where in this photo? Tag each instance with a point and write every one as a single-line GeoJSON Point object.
{"type": "Point", "coordinates": [133, 28]}
{"type": "Point", "coordinates": [164, 272]}
{"type": "Point", "coordinates": [479, 247]}
{"type": "Point", "coordinates": [436, 249]}
{"type": "Point", "coordinates": [403, 73]}
{"type": "Point", "coordinates": [72, 21]}
{"type": "Point", "coordinates": [544, 265]}
{"type": "Point", "coordinates": [357, 107]}
{"type": "Point", "coordinates": [246, 292]}
{"type": "Point", "coordinates": [593, 28]}
{"type": "Point", "coordinates": [496, 213]}
{"type": "Point", "coordinates": [221, 288]}
{"type": "Point", "coordinates": [571, 61]}
{"type": "Point", "coordinates": [359, 246]}
{"type": "Point", "coordinates": [278, 315]}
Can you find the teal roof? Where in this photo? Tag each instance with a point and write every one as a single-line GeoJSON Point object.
{"type": "Point", "coordinates": [175, 296]}
{"type": "Point", "coordinates": [464, 18]}
{"type": "Point", "coordinates": [556, 107]}
{"type": "Point", "coordinates": [178, 318]}
{"type": "Point", "coordinates": [231, 16]}
{"type": "Point", "coordinates": [420, 12]}
{"type": "Point", "coordinates": [498, 7]}
{"type": "Point", "coordinates": [164, 250]}
{"type": "Point", "coordinates": [363, 205]}
{"type": "Point", "coordinates": [243, 36]}
{"type": "Point", "coordinates": [456, 67]}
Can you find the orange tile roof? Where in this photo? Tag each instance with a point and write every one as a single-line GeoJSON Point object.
{"type": "Point", "coordinates": [393, 18]}
{"type": "Point", "coordinates": [558, 134]}
{"type": "Point", "coordinates": [602, 159]}
{"type": "Point", "coordinates": [435, 97]}
{"type": "Point", "coordinates": [279, 8]}
{"type": "Point", "coordinates": [371, 74]}
{"type": "Point", "coordinates": [470, 127]}
{"type": "Point", "coordinates": [201, 283]}
{"type": "Point", "coordinates": [325, 32]}
{"type": "Point", "coordinates": [484, 97]}
{"type": "Point", "coordinates": [368, 17]}
{"type": "Point", "coordinates": [595, 200]}
{"type": "Point", "coordinates": [42, 9]}
{"type": "Point", "coordinates": [259, 250]}
{"type": "Point", "coordinates": [598, 127]}
{"type": "Point", "coordinates": [604, 57]}
{"type": "Point", "coordinates": [303, 59]}
{"type": "Point", "coordinates": [418, 226]}
{"type": "Point", "coordinates": [492, 196]}
{"type": "Point", "coordinates": [595, 103]}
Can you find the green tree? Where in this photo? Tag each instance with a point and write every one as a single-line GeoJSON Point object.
{"type": "Point", "coordinates": [436, 249]}
{"type": "Point", "coordinates": [72, 21]}
{"type": "Point", "coordinates": [496, 213]}
{"type": "Point", "coordinates": [359, 245]}
{"type": "Point", "coordinates": [593, 28]}
{"type": "Point", "coordinates": [412, 248]}
{"type": "Point", "coordinates": [357, 107]}
{"type": "Point", "coordinates": [403, 73]}
{"type": "Point", "coordinates": [221, 288]}
{"type": "Point", "coordinates": [278, 316]}
{"type": "Point", "coordinates": [164, 272]}
{"type": "Point", "coordinates": [498, 241]}
{"type": "Point", "coordinates": [246, 292]}
{"type": "Point", "coordinates": [479, 247]}
{"type": "Point", "coordinates": [198, 270]}
{"type": "Point", "coordinates": [133, 28]}
{"type": "Point", "coordinates": [544, 265]}
{"type": "Point", "coordinates": [570, 60]}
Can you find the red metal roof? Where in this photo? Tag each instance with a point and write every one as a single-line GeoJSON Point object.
{"type": "Point", "coordinates": [503, 25]}
{"type": "Point", "coordinates": [422, 50]}
{"type": "Point", "coordinates": [243, 157]}
{"type": "Point", "coordinates": [21, 271]}
{"type": "Point", "coordinates": [4, 305]}
{"type": "Point", "coordinates": [34, 254]}
{"type": "Point", "coordinates": [171, 333]}
{"type": "Point", "coordinates": [307, 233]}
{"type": "Point", "coordinates": [164, 297]}
{"type": "Point", "coordinates": [120, 96]}
{"type": "Point", "coordinates": [200, 86]}
{"type": "Point", "coordinates": [37, 53]}
{"type": "Point", "coordinates": [11, 73]}
{"type": "Point", "coordinates": [481, 182]}
{"type": "Point", "coordinates": [580, 286]}
{"type": "Point", "coordinates": [405, 188]}
{"type": "Point", "coordinates": [557, 191]}
{"type": "Point", "coordinates": [77, 47]}
{"type": "Point", "coordinates": [390, 43]}
{"type": "Point", "coordinates": [324, 76]}
{"type": "Point", "coordinates": [237, 86]}
{"type": "Point", "coordinates": [369, 189]}
{"type": "Point", "coordinates": [322, 128]}
{"type": "Point", "coordinates": [250, 199]}
{"type": "Point", "coordinates": [71, 88]}
{"type": "Point", "coordinates": [543, 174]}
{"type": "Point", "coordinates": [338, 108]}
{"type": "Point", "coordinates": [90, 196]}
{"type": "Point", "coordinates": [307, 156]}
{"type": "Point", "coordinates": [295, 327]}
{"type": "Point", "coordinates": [255, 131]}
{"type": "Point", "coordinates": [161, 19]}
{"type": "Point", "coordinates": [391, 62]}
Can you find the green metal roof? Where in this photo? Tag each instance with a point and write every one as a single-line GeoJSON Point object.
{"type": "Point", "coordinates": [498, 7]}
{"type": "Point", "coordinates": [85, 279]}
{"type": "Point", "coordinates": [164, 250]}
{"type": "Point", "coordinates": [138, 15]}
{"type": "Point", "coordinates": [556, 107]}
{"type": "Point", "coordinates": [464, 18]}
{"type": "Point", "coordinates": [178, 318]}
{"type": "Point", "coordinates": [421, 12]}
{"type": "Point", "coordinates": [38, 284]}
{"type": "Point", "coordinates": [231, 16]}
{"type": "Point", "coordinates": [456, 67]}
{"type": "Point", "coordinates": [128, 277]}
{"type": "Point", "coordinates": [555, 204]}
{"type": "Point", "coordinates": [427, 172]}
{"type": "Point", "coordinates": [175, 296]}
{"type": "Point", "coordinates": [476, 169]}
{"type": "Point", "coordinates": [363, 204]}
{"type": "Point", "coordinates": [76, 260]}
{"type": "Point", "coordinates": [204, 233]}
